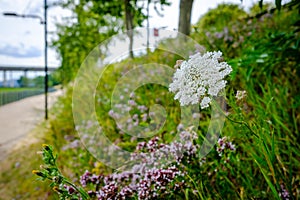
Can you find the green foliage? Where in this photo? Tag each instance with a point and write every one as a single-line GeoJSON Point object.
{"type": "Point", "coordinates": [264, 125]}
{"type": "Point", "coordinates": [60, 184]}
{"type": "Point", "coordinates": [258, 8]}
{"type": "Point", "coordinates": [218, 18]}
{"type": "Point", "coordinates": [222, 28]}
{"type": "Point", "coordinates": [23, 81]}
{"type": "Point", "coordinates": [15, 89]}
{"type": "Point", "coordinates": [39, 81]}
{"type": "Point", "coordinates": [92, 22]}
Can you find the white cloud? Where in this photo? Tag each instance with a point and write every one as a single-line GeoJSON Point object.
{"type": "Point", "coordinates": [27, 31]}
{"type": "Point", "coordinates": [20, 51]}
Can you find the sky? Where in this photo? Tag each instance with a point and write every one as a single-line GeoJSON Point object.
{"type": "Point", "coordinates": [22, 39]}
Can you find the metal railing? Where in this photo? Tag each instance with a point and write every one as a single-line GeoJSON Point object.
{"type": "Point", "coordinates": [9, 97]}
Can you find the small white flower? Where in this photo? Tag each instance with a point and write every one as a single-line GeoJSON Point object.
{"type": "Point", "coordinates": [198, 78]}
{"type": "Point", "coordinates": [240, 94]}
{"type": "Point", "coordinates": [205, 102]}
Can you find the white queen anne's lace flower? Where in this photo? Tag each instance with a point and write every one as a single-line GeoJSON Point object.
{"type": "Point", "coordinates": [199, 78]}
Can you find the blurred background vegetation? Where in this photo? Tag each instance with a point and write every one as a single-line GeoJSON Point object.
{"type": "Point", "coordinates": [262, 45]}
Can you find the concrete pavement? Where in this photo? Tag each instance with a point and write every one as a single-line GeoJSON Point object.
{"type": "Point", "coordinates": [17, 119]}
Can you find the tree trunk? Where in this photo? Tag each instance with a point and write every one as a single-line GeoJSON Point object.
{"type": "Point", "coordinates": [184, 25]}
{"type": "Point", "coordinates": [129, 25]}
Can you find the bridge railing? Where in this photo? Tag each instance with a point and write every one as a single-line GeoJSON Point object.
{"type": "Point", "coordinates": [8, 97]}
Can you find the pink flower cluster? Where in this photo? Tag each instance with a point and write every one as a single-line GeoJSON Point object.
{"type": "Point", "coordinates": [150, 178]}
{"type": "Point", "coordinates": [125, 185]}
{"type": "Point", "coordinates": [224, 145]}
{"type": "Point", "coordinates": [140, 115]}
{"type": "Point", "coordinates": [284, 194]}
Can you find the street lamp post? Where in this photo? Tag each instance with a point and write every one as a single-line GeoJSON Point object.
{"type": "Point", "coordinates": [46, 59]}
{"type": "Point", "coordinates": [44, 22]}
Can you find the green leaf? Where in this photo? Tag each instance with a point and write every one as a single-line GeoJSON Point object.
{"type": "Point", "coordinates": [268, 181]}
{"type": "Point", "coordinates": [52, 184]}
{"type": "Point", "coordinates": [186, 193]}
{"type": "Point", "coordinates": [83, 193]}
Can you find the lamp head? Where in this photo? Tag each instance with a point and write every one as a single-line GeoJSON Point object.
{"type": "Point", "coordinates": [10, 14]}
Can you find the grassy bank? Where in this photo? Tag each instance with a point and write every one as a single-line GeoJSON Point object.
{"type": "Point", "coordinates": [17, 181]}
{"type": "Point", "coordinates": [2, 89]}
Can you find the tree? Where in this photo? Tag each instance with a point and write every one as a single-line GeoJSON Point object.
{"type": "Point", "coordinates": [24, 81]}
{"type": "Point", "coordinates": [134, 16]}
{"type": "Point", "coordinates": [130, 13]}
{"type": "Point", "coordinates": [91, 23]}
{"type": "Point", "coordinates": [185, 11]}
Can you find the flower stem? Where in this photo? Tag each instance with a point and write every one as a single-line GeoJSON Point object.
{"type": "Point", "coordinates": [83, 194]}
{"type": "Point", "coordinates": [243, 123]}
{"type": "Point", "coordinates": [237, 122]}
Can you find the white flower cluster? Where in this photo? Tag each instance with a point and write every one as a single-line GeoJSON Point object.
{"type": "Point", "coordinates": [199, 78]}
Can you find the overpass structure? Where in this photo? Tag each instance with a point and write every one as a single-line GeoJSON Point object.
{"type": "Point", "coordinates": [25, 69]}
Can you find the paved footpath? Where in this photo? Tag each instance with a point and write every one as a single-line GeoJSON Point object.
{"type": "Point", "coordinates": [17, 119]}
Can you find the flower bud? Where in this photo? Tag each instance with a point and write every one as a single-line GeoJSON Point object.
{"type": "Point", "coordinates": [39, 173]}
{"type": "Point", "coordinates": [46, 147]}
